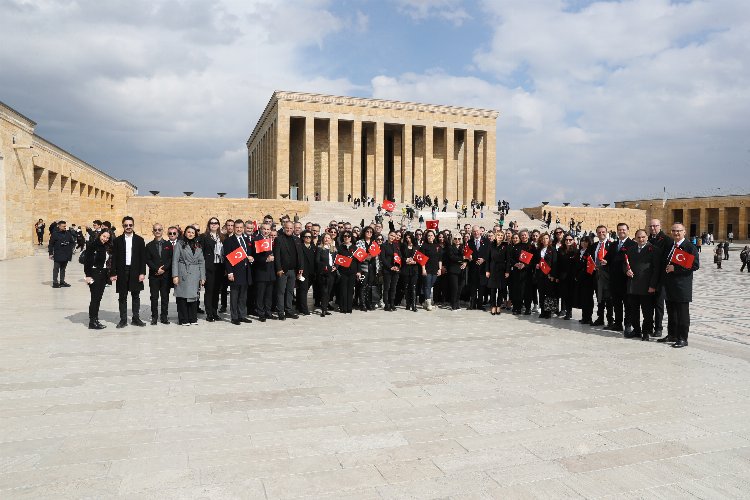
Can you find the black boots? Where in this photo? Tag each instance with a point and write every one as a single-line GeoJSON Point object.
{"type": "Point", "coordinates": [95, 325]}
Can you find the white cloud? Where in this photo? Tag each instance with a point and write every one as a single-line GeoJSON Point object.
{"type": "Point", "coordinates": [421, 10]}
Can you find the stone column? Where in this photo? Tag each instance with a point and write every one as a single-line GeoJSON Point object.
{"type": "Point", "coordinates": [489, 169]}
{"type": "Point", "coordinates": [703, 223]}
{"type": "Point", "coordinates": [378, 191]}
{"type": "Point", "coordinates": [685, 221]}
{"type": "Point", "coordinates": [356, 166]}
{"type": "Point", "coordinates": [281, 179]}
{"type": "Point", "coordinates": [741, 232]}
{"type": "Point", "coordinates": [407, 160]}
{"type": "Point", "coordinates": [451, 180]}
{"type": "Point", "coordinates": [324, 164]}
{"type": "Point", "coordinates": [309, 166]}
{"type": "Point", "coordinates": [469, 165]}
{"type": "Point", "coordinates": [398, 165]}
{"type": "Point", "coordinates": [333, 160]}
{"type": "Point", "coordinates": [721, 231]}
{"type": "Point", "coordinates": [430, 182]}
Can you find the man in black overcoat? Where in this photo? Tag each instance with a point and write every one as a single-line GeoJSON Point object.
{"type": "Point", "coordinates": [643, 269]}
{"type": "Point", "coordinates": [678, 284]}
{"type": "Point", "coordinates": [616, 252]}
{"type": "Point", "coordinates": [287, 258]}
{"type": "Point", "coordinates": [477, 268]}
{"type": "Point", "coordinates": [664, 243]}
{"type": "Point", "coordinates": [264, 274]}
{"type": "Point", "coordinates": [239, 274]}
{"type": "Point", "coordinates": [159, 254]}
{"type": "Point", "coordinates": [128, 271]}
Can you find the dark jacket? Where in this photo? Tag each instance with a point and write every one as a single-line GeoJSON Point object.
{"type": "Point", "coordinates": [208, 245]}
{"type": "Point", "coordinates": [615, 265]}
{"type": "Point", "coordinates": [241, 272]}
{"type": "Point", "coordinates": [661, 241]}
{"type": "Point", "coordinates": [387, 252]}
{"type": "Point", "coordinates": [454, 257]}
{"type": "Point", "coordinates": [497, 264]}
{"type": "Point", "coordinates": [308, 261]}
{"type": "Point", "coordinates": [409, 269]}
{"type": "Point", "coordinates": [646, 269]}
{"type": "Point", "coordinates": [128, 282]}
{"type": "Point", "coordinates": [61, 245]}
{"type": "Point", "coordinates": [514, 255]}
{"type": "Point", "coordinates": [349, 252]}
{"type": "Point", "coordinates": [433, 252]}
{"type": "Point", "coordinates": [478, 272]}
{"type": "Point", "coordinates": [679, 283]}
{"type": "Point", "coordinates": [287, 253]}
{"type": "Point", "coordinates": [322, 264]}
{"type": "Point", "coordinates": [96, 257]}
{"type": "Point", "coordinates": [263, 270]}
{"type": "Point", "coordinates": [153, 261]}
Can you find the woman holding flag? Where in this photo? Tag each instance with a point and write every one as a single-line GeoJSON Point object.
{"type": "Point", "coordinates": [432, 268]}
{"type": "Point", "coordinates": [348, 271]}
{"type": "Point", "coordinates": [410, 270]}
{"type": "Point", "coordinates": [390, 262]}
{"type": "Point", "coordinates": [565, 273]}
{"type": "Point", "coordinates": [543, 263]}
{"type": "Point", "coordinates": [325, 271]}
{"type": "Point", "coordinates": [584, 285]}
{"type": "Point", "coordinates": [496, 268]}
{"type": "Point", "coordinates": [368, 269]}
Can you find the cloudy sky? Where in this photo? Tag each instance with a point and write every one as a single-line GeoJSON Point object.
{"type": "Point", "coordinates": [599, 100]}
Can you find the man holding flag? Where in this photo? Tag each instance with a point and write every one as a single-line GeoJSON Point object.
{"type": "Point", "coordinates": [264, 272]}
{"type": "Point", "coordinates": [237, 262]}
{"type": "Point", "coordinates": [680, 264]}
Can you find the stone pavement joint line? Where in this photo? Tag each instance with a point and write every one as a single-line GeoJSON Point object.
{"type": "Point", "coordinates": [369, 406]}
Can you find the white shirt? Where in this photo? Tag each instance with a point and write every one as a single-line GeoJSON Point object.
{"type": "Point", "coordinates": [128, 248]}
{"type": "Point", "coordinates": [543, 252]}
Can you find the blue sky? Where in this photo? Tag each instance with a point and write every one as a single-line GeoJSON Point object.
{"type": "Point", "coordinates": [598, 100]}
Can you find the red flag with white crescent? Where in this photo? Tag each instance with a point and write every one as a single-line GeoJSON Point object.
{"type": "Point", "coordinates": [237, 256]}
{"type": "Point", "coordinates": [432, 224]}
{"type": "Point", "coordinates": [396, 259]}
{"type": "Point", "coordinates": [525, 257]}
{"type": "Point", "coordinates": [682, 258]}
{"type": "Point", "coordinates": [374, 249]}
{"type": "Point", "coordinates": [360, 254]}
{"type": "Point", "coordinates": [590, 265]}
{"type": "Point", "coordinates": [343, 260]}
{"type": "Point", "coordinates": [420, 258]}
{"type": "Point", "coordinates": [388, 206]}
{"type": "Point", "coordinates": [263, 245]}
{"type": "Point", "coordinates": [545, 268]}
{"type": "Point", "coordinates": [467, 252]}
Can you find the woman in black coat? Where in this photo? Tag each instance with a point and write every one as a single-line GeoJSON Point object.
{"type": "Point", "coordinates": [347, 275]}
{"type": "Point", "coordinates": [496, 270]}
{"type": "Point", "coordinates": [410, 270]}
{"type": "Point", "coordinates": [519, 273]}
{"type": "Point", "coordinates": [211, 243]}
{"type": "Point", "coordinates": [325, 271]}
{"type": "Point", "coordinates": [96, 270]}
{"type": "Point", "coordinates": [455, 263]}
{"type": "Point", "coordinates": [567, 261]}
{"type": "Point", "coordinates": [545, 281]}
{"type": "Point", "coordinates": [391, 261]}
{"type": "Point", "coordinates": [584, 281]}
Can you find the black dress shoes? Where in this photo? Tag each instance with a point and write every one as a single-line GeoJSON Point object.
{"type": "Point", "coordinates": [246, 320]}
{"type": "Point", "coordinates": [598, 322]}
{"type": "Point", "coordinates": [236, 322]}
{"type": "Point", "coordinates": [665, 340]}
{"type": "Point", "coordinates": [55, 285]}
{"type": "Point", "coordinates": [153, 321]}
{"type": "Point", "coordinates": [281, 317]}
{"type": "Point", "coordinates": [95, 325]}
{"type": "Point", "coordinates": [262, 319]}
{"type": "Point", "coordinates": [64, 284]}
{"type": "Point", "coordinates": [210, 319]}
{"type": "Point", "coordinates": [137, 322]}
{"type": "Point", "coordinates": [122, 324]}
{"type": "Point", "coordinates": [164, 321]}
{"type": "Point", "coordinates": [680, 343]}
{"type": "Point", "coordinates": [293, 316]}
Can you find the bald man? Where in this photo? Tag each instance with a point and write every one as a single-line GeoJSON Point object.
{"type": "Point", "coordinates": [678, 285]}
{"type": "Point", "coordinates": [663, 244]}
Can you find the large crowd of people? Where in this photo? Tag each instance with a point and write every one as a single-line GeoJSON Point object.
{"type": "Point", "coordinates": [267, 270]}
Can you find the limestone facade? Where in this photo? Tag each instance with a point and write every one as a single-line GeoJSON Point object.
{"type": "Point", "coordinates": [591, 217]}
{"type": "Point", "coordinates": [308, 146]}
{"type": "Point", "coordinates": [41, 180]}
{"type": "Point", "coordinates": [718, 215]}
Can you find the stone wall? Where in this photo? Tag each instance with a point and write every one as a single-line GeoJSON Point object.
{"type": "Point", "coordinates": [592, 216]}
{"type": "Point", "coordinates": [147, 210]}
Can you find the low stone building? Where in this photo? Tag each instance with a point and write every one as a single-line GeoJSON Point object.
{"type": "Point", "coordinates": [313, 146]}
{"type": "Point", "coordinates": [718, 215]}
{"type": "Point", "coordinates": [590, 217]}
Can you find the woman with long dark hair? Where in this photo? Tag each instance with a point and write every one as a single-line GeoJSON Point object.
{"type": "Point", "coordinates": [431, 270]}
{"type": "Point", "coordinates": [496, 269]}
{"type": "Point", "coordinates": [211, 241]}
{"type": "Point", "coordinates": [584, 281]}
{"type": "Point", "coordinates": [456, 264]}
{"type": "Point", "coordinates": [545, 253]}
{"type": "Point", "coordinates": [567, 259]}
{"type": "Point", "coordinates": [347, 275]}
{"type": "Point", "coordinates": [325, 270]}
{"type": "Point", "coordinates": [96, 268]}
{"type": "Point", "coordinates": [410, 270]}
{"type": "Point", "coordinates": [391, 261]}
{"type": "Point", "coordinates": [189, 274]}
{"type": "Point", "coordinates": [368, 270]}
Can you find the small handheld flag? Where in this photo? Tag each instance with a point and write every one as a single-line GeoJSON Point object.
{"type": "Point", "coordinates": [237, 256]}
{"type": "Point", "coordinates": [682, 258]}
{"type": "Point", "coordinates": [525, 257]}
{"type": "Point", "coordinates": [467, 252]}
{"type": "Point", "coordinates": [432, 224]}
{"type": "Point", "coordinates": [545, 268]}
{"type": "Point", "coordinates": [343, 260]}
{"type": "Point", "coordinates": [360, 254]}
{"type": "Point", "coordinates": [263, 245]}
{"type": "Point", "coordinates": [388, 206]}
{"type": "Point", "coordinates": [374, 249]}
{"type": "Point", "coordinates": [396, 259]}
{"type": "Point", "coordinates": [420, 258]}
{"type": "Point", "coordinates": [590, 265]}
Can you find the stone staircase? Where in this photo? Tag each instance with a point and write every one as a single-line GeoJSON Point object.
{"type": "Point", "coordinates": [323, 212]}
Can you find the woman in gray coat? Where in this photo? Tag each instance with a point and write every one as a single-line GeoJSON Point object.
{"type": "Point", "coordinates": [189, 271]}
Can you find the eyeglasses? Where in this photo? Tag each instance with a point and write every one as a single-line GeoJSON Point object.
{"type": "Point", "coordinates": [172, 234]}
{"type": "Point", "coordinates": [308, 236]}
{"type": "Point", "coordinates": [214, 222]}
{"type": "Point", "coordinates": [568, 239]}
{"type": "Point", "coordinates": [127, 225]}
{"type": "Point", "coordinates": [157, 230]}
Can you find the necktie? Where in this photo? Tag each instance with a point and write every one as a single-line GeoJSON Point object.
{"type": "Point", "coordinates": [159, 247]}
{"type": "Point", "coordinates": [619, 245]}
{"type": "Point", "coordinates": [600, 252]}
{"type": "Point", "coordinates": [242, 243]}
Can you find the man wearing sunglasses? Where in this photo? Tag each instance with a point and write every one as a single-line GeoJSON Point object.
{"type": "Point", "coordinates": [159, 262]}
{"type": "Point", "coordinates": [128, 271]}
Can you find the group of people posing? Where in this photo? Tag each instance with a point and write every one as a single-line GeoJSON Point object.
{"type": "Point", "coordinates": [266, 270]}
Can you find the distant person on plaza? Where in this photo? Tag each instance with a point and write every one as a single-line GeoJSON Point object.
{"type": "Point", "coordinates": [60, 248]}
{"type": "Point", "coordinates": [678, 282]}
{"type": "Point", "coordinates": [726, 250]}
{"type": "Point", "coordinates": [96, 269]}
{"type": "Point", "coordinates": [39, 228]}
{"type": "Point", "coordinates": [730, 236]}
{"type": "Point", "coordinates": [719, 255]}
{"type": "Point", "coordinates": [744, 258]}
{"type": "Point", "coordinates": [128, 271]}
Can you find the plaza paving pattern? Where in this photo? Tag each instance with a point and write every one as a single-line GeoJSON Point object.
{"type": "Point", "coordinates": [374, 405]}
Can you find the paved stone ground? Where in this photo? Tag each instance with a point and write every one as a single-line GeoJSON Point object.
{"type": "Point", "coordinates": [378, 405]}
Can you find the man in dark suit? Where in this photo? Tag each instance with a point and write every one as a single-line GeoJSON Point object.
{"type": "Point", "coordinates": [264, 275]}
{"type": "Point", "coordinates": [129, 271]}
{"type": "Point", "coordinates": [643, 269]}
{"type": "Point", "coordinates": [616, 252]}
{"type": "Point", "coordinates": [239, 274]}
{"type": "Point", "coordinates": [477, 277]}
{"type": "Point", "coordinates": [159, 263]}
{"type": "Point", "coordinates": [601, 278]}
{"type": "Point", "coordinates": [60, 247]}
{"type": "Point", "coordinates": [678, 283]}
{"type": "Point", "coordinates": [287, 258]}
{"type": "Point", "coordinates": [664, 244]}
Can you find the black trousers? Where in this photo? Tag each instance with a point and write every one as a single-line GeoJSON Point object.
{"type": "Point", "coordinates": [224, 290]}
{"type": "Point", "coordinates": [390, 282]}
{"type": "Point", "coordinates": [678, 320]}
{"type": "Point", "coordinates": [530, 293]}
{"type": "Point", "coordinates": [159, 287]}
{"type": "Point", "coordinates": [659, 299]}
{"type": "Point", "coordinates": [641, 304]}
{"type": "Point", "coordinates": [59, 268]}
{"type": "Point", "coordinates": [187, 312]}
{"type": "Point", "coordinates": [40, 237]}
{"type": "Point", "coordinates": [285, 292]}
{"type": "Point", "coordinates": [346, 292]}
{"type": "Point", "coordinates": [263, 298]}
{"type": "Point", "coordinates": [325, 285]}
{"type": "Point", "coordinates": [302, 291]}
{"type": "Point", "coordinates": [410, 286]}
{"type": "Point", "coordinates": [453, 283]}
{"type": "Point", "coordinates": [237, 301]}
{"type": "Point", "coordinates": [495, 297]}
{"type": "Point", "coordinates": [587, 303]}
{"type": "Point", "coordinates": [519, 282]}
{"type": "Point", "coordinates": [100, 276]}
{"type": "Point", "coordinates": [619, 309]}
{"type": "Point", "coordinates": [214, 275]}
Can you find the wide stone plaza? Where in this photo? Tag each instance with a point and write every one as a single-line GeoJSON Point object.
{"type": "Point", "coordinates": [371, 405]}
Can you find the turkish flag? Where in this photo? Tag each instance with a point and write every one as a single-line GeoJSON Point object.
{"type": "Point", "coordinates": [602, 253]}
{"type": "Point", "coordinates": [374, 249]}
{"type": "Point", "coordinates": [389, 206]}
{"type": "Point", "coordinates": [396, 259]}
{"type": "Point", "coordinates": [263, 245]}
{"type": "Point", "coordinates": [237, 256]}
{"type": "Point", "coordinates": [467, 252]}
{"type": "Point", "coordinates": [544, 266]}
{"type": "Point", "coordinates": [590, 265]}
{"type": "Point", "coordinates": [360, 254]}
{"type": "Point", "coordinates": [343, 260]}
{"type": "Point", "coordinates": [682, 258]}
{"type": "Point", "coordinates": [432, 224]}
{"type": "Point", "coordinates": [255, 226]}
{"type": "Point", "coordinates": [420, 258]}
{"type": "Point", "coordinates": [525, 257]}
